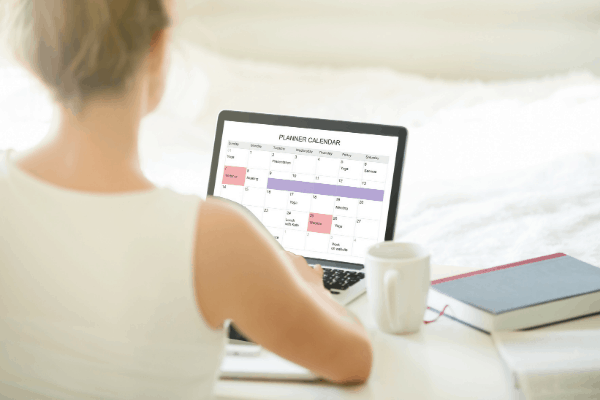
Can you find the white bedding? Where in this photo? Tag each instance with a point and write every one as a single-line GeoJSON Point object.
{"type": "Point", "coordinates": [495, 172]}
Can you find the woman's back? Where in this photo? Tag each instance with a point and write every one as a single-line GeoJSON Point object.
{"type": "Point", "coordinates": [97, 294]}
{"type": "Point", "coordinates": [109, 287]}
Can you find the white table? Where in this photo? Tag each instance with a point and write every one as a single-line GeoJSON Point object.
{"type": "Point", "coordinates": [445, 360]}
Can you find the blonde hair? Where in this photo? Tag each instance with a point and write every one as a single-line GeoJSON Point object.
{"type": "Point", "coordinates": [81, 48]}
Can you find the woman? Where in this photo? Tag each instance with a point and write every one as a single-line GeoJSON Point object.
{"type": "Point", "coordinates": [111, 287]}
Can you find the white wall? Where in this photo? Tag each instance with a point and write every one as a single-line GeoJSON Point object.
{"type": "Point", "coordinates": [451, 39]}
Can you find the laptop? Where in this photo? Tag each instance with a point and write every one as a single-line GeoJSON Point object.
{"type": "Point", "coordinates": [326, 190]}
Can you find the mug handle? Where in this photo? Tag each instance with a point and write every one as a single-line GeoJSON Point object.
{"type": "Point", "coordinates": [390, 290]}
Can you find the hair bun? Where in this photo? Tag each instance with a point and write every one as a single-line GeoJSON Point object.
{"type": "Point", "coordinates": [81, 48]}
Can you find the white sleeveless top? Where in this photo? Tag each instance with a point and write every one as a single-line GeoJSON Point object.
{"type": "Point", "coordinates": [96, 294]}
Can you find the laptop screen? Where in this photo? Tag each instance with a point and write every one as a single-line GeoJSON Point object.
{"type": "Point", "coordinates": [322, 194]}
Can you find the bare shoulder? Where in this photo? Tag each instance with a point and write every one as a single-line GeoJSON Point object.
{"type": "Point", "coordinates": [228, 239]}
{"type": "Point", "coordinates": [221, 215]}
{"type": "Point", "coordinates": [222, 223]}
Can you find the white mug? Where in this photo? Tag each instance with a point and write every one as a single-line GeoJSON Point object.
{"type": "Point", "coordinates": [398, 279]}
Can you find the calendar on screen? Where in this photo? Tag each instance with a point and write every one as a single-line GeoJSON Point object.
{"type": "Point", "coordinates": [321, 194]}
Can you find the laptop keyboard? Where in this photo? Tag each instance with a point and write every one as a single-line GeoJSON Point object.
{"type": "Point", "coordinates": [337, 279]}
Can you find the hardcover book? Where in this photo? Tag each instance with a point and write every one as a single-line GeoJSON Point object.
{"type": "Point", "coordinates": [521, 295]}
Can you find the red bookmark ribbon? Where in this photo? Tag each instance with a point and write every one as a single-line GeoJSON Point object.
{"type": "Point", "coordinates": [436, 318]}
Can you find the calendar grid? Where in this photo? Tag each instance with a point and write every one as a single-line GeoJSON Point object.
{"type": "Point", "coordinates": [323, 201]}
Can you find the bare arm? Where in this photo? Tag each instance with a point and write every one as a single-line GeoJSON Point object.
{"type": "Point", "coordinates": [242, 274]}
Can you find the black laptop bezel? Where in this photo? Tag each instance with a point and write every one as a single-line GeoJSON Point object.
{"type": "Point", "coordinates": [322, 124]}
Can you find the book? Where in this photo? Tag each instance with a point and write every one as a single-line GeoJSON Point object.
{"type": "Point", "coordinates": [549, 365]}
{"type": "Point", "coordinates": [520, 295]}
